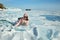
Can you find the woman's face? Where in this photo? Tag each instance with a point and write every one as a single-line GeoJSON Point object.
{"type": "Point", "coordinates": [25, 17]}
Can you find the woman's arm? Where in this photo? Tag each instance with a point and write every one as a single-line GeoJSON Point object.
{"type": "Point", "coordinates": [18, 23]}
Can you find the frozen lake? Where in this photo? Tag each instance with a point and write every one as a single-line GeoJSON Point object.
{"type": "Point", "coordinates": [43, 25]}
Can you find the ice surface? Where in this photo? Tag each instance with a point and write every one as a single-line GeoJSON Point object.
{"type": "Point", "coordinates": [44, 25]}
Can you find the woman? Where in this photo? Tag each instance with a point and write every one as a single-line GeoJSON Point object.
{"type": "Point", "coordinates": [23, 20]}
